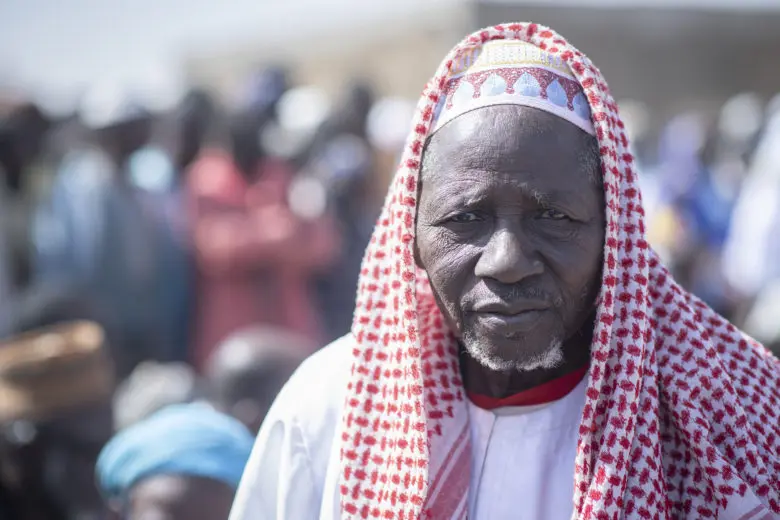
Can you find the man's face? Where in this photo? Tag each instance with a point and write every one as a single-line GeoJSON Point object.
{"type": "Point", "coordinates": [510, 230]}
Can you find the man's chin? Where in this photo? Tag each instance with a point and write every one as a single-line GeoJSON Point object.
{"type": "Point", "coordinates": [502, 358]}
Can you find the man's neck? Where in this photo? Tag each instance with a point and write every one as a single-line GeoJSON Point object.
{"type": "Point", "coordinates": [479, 379]}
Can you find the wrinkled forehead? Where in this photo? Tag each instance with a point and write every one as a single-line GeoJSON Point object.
{"type": "Point", "coordinates": [512, 153]}
{"type": "Point", "coordinates": [511, 72]}
{"type": "Point", "coordinates": [504, 145]}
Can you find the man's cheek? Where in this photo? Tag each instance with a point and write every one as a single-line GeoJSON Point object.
{"type": "Point", "coordinates": [447, 283]}
{"type": "Point", "coordinates": [442, 287]}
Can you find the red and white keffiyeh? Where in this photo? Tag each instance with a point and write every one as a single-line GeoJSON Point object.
{"type": "Point", "coordinates": [682, 410]}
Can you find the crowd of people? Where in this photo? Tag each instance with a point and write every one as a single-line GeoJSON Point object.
{"type": "Point", "coordinates": [208, 249]}
{"type": "Point", "coordinates": [183, 227]}
{"type": "Point", "coordinates": [215, 245]}
{"type": "Point", "coordinates": [711, 190]}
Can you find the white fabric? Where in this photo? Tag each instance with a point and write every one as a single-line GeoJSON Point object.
{"type": "Point", "coordinates": [522, 457]}
{"type": "Point", "coordinates": [752, 247]}
{"type": "Point", "coordinates": [293, 470]}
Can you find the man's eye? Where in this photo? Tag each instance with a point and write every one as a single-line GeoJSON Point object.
{"type": "Point", "coordinates": [552, 214]}
{"type": "Point", "coordinates": [464, 218]}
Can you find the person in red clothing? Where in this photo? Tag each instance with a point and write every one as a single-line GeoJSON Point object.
{"type": "Point", "coordinates": [254, 254]}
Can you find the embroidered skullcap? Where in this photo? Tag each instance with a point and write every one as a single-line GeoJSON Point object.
{"type": "Point", "coordinates": [512, 72]}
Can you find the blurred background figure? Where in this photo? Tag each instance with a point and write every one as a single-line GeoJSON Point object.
{"type": "Point", "coordinates": [707, 206]}
{"type": "Point", "coordinates": [23, 131]}
{"type": "Point", "coordinates": [387, 127]}
{"type": "Point", "coordinates": [182, 463]}
{"type": "Point", "coordinates": [94, 231]}
{"type": "Point", "coordinates": [55, 415]}
{"type": "Point", "coordinates": [249, 368]}
{"type": "Point", "coordinates": [340, 157]}
{"type": "Point", "coordinates": [255, 255]}
{"type": "Point", "coordinates": [158, 173]}
{"type": "Point", "coordinates": [752, 248]}
{"type": "Point", "coordinates": [48, 304]}
{"type": "Point", "coordinates": [669, 175]}
{"type": "Point", "coordinates": [691, 191]}
{"type": "Point", "coordinates": [151, 387]}
{"type": "Point", "coordinates": [678, 188]}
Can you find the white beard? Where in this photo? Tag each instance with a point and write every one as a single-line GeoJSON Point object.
{"type": "Point", "coordinates": [551, 358]}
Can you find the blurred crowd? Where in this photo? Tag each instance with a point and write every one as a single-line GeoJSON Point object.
{"type": "Point", "coordinates": [215, 245]}
{"type": "Point", "coordinates": [193, 257]}
{"type": "Point", "coordinates": [711, 192]}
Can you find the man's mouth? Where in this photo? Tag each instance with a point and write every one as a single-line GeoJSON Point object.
{"type": "Point", "coordinates": [507, 318]}
{"type": "Point", "coordinates": [510, 308]}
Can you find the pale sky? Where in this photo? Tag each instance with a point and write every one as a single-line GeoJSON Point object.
{"type": "Point", "coordinates": [61, 46]}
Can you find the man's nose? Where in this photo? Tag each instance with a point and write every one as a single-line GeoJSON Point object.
{"type": "Point", "coordinates": [507, 258]}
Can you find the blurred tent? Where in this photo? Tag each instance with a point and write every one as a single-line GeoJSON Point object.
{"type": "Point", "coordinates": [669, 54]}
{"type": "Point", "coordinates": [666, 53]}
{"type": "Point", "coordinates": [396, 49]}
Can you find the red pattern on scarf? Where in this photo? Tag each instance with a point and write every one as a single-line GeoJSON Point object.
{"type": "Point", "coordinates": [681, 413]}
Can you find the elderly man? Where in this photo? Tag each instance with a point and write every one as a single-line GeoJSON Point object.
{"type": "Point", "coordinates": [518, 351]}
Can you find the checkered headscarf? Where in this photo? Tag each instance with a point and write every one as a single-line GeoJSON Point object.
{"type": "Point", "coordinates": [682, 409]}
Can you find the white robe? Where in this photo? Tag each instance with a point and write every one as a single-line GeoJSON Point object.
{"type": "Point", "coordinates": [522, 457]}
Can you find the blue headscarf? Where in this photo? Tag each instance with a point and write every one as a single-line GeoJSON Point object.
{"type": "Point", "coordinates": [190, 439]}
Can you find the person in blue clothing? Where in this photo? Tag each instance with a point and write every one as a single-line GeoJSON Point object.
{"type": "Point", "coordinates": [181, 463]}
{"type": "Point", "coordinates": [93, 231]}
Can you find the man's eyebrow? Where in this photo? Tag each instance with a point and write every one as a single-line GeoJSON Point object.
{"type": "Point", "coordinates": [465, 192]}
{"type": "Point", "coordinates": [542, 198]}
